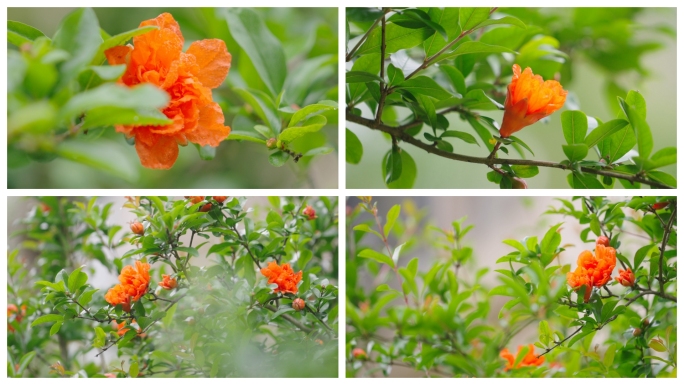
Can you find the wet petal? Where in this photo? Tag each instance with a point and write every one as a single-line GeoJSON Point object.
{"type": "Point", "coordinates": [210, 129]}
{"type": "Point", "coordinates": [118, 55]}
{"type": "Point", "coordinates": [159, 153]}
{"type": "Point", "coordinates": [213, 60]}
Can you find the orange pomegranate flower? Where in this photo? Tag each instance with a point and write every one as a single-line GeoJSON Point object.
{"type": "Point", "coordinates": [134, 282]}
{"type": "Point", "coordinates": [188, 77]}
{"type": "Point", "coordinates": [593, 271]}
{"type": "Point", "coordinates": [626, 278]}
{"type": "Point", "coordinates": [18, 315]}
{"type": "Point", "coordinates": [120, 330]}
{"type": "Point", "coordinates": [529, 360]}
{"type": "Point", "coordinates": [529, 99]}
{"type": "Point", "coordinates": [283, 276]}
{"type": "Point", "coordinates": [168, 282]}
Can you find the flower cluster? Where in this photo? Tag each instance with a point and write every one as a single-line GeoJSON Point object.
{"type": "Point", "coordinates": [593, 271]}
{"type": "Point", "coordinates": [12, 309]}
{"type": "Point", "coordinates": [529, 360]}
{"type": "Point", "coordinates": [626, 277]}
{"type": "Point", "coordinates": [283, 276]}
{"type": "Point", "coordinates": [529, 99]}
{"type": "Point", "coordinates": [168, 282]}
{"type": "Point", "coordinates": [157, 58]}
{"type": "Point", "coordinates": [134, 282]}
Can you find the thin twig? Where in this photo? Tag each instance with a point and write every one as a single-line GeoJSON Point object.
{"type": "Point", "coordinates": [401, 135]}
{"type": "Point", "coordinates": [383, 87]}
{"type": "Point", "coordinates": [666, 237]}
{"type": "Point", "coordinates": [351, 53]}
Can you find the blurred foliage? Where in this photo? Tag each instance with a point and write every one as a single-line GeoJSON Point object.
{"type": "Point", "coordinates": [62, 105]}
{"type": "Point", "coordinates": [443, 61]}
{"type": "Point", "coordinates": [439, 322]}
{"type": "Point", "coordinates": [221, 320]}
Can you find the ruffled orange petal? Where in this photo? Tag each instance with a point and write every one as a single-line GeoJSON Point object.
{"type": "Point", "coordinates": [118, 55]}
{"type": "Point", "coordinates": [159, 153]}
{"type": "Point", "coordinates": [210, 129]}
{"type": "Point", "coordinates": [213, 59]}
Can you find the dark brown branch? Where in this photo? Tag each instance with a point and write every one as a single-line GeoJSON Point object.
{"type": "Point", "coordinates": [399, 134]}
{"type": "Point", "coordinates": [383, 87]}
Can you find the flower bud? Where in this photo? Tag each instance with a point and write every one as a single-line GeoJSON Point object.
{"type": "Point", "coordinates": [137, 228]}
{"type": "Point", "coordinates": [206, 208]}
{"type": "Point", "coordinates": [196, 199]}
{"type": "Point", "coordinates": [519, 183]}
{"type": "Point", "coordinates": [271, 143]}
{"type": "Point", "coordinates": [636, 332]}
{"type": "Point", "coordinates": [603, 240]}
{"type": "Point", "coordinates": [309, 212]}
{"type": "Point", "coordinates": [220, 199]}
{"type": "Point", "coordinates": [661, 205]}
{"type": "Point", "coordinates": [298, 304]}
{"type": "Point", "coordinates": [45, 208]}
{"type": "Point", "coordinates": [645, 322]}
{"type": "Point", "coordinates": [359, 354]}
{"type": "Point", "coordinates": [625, 278]}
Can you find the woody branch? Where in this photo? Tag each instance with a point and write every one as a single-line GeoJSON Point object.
{"type": "Point", "coordinates": [399, 134]}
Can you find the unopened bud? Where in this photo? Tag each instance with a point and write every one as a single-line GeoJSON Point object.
{"type": "Point", "coordinates": [271, 143]}
{"type": "Point", "coordinates": [137, 228]}
{"type": "Point", "coordinates": [298, 304]}
{"type": "Point", "coordinates": [519, 183]}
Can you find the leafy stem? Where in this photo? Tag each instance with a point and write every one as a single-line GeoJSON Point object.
{"type": "Point", "coordinates": [400, 135]}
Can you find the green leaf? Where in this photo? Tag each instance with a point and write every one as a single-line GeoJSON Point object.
{"type": "Point", "coordinates": [428, 107]}
{"type": "Point", "coordinates": [109, 116]}
{"type": "Point", "coordinates": [303, 113]}
{"type": "Point", "coordinates": [354, 148]}
{"type": "Point", "coordinates": [304, 258]}
{"type": "Point", "coordinates": [168, 318]}
{"type": "Point", "coordinates": [392, 216]}
{"type": "Point", "coordinates": [604, 131]}
{"type": "Point", "coordinates": [377, 256]}
{"type": "Point", "coordinates": [47, 319]}
{"type": "Point", "coordinates": [278, 158]}
{"type": "Point", "coordinates": [100, 338]}
{"type": "Point", "coordinates": [525, 171]}
{"type": "Point", "coordinates": [78, 34]}
{"type": "Point", "coordinates": [108, 72]}
{"type": "Point", "coordinates": [76, 280]}
{"type": "Point", "coordinates": [91, 154]}
{"type": "Point", "coordinates": [312, 124]}
{"type": "Point", "coordinates": [657, 345]}
{"type": "Point", "coordinates": [396, 38]}
{"type": "Point", "coordinates": [510, 20]}
{"type": "Point", "coordinates": [362, 77]}
{"type": "Point", "coordinates": [397, 252]}
{"type": "Point", "coordinates": [247, 136]}
{"type": "Point", "coordinates": [551, 240]}
{"type": "Point", "coordinates": [477, 99]}
{"type": "Point", "coordinates": [522, 143]}
{"type": "Point", "coordinates": [456, 77]}
{"type": "Point", "coordinates": [143, 96]}
{"type": "Point", "coordinates": [120, 39]}
{"type": "Point", "coordinates": [263, 107]}
{"type": "Point", "coordinates": [469, 47]}
{"type": "Point", "coordinates": [20, 33]}
{"type": "Point", "coordinates": [637, 119]}
{"type": "Point", "coordinates": [282, 311]}
{"type": "Point", "coordinates": [86, 296]}
{"type": "Point", "coordinates": [408, 172]}
{"type": "Point", "coordinates": [262, 47]}
{"type": "Point", "coordinates": [423, 85]}
{"type": "Point", "coordinates": [368, 63]}
{"type": "Point", "coordinates": [367, 229]}
{"type": "Point", "coordinates": [662, 177]}
{"type": "Point", "coordinates": [424, 18]}
{"type": "Point", "coordinates": [133, 369]}
{"type": "Point", "coordinates": [472, 17]}
{"type": "Point", "coordinates": [574, 126]}
{"type": "Point", "coordinates": [394, 75]}
{"type": "Point", "coordinates": [585, 181]}
{"type": "Point", "coordinates": [448, 18]}
{"type": "Point", "coordinates": [468, 138]}
{"type": "Point", "coordinates": [609, 356]}
{"type": "Point", "coordinates": [575, 152]}
{"type": "Point", "coordinates": [55, 327]}
{"type": "Point", "coordinates": [665, 156]}
{"type": "Point", "coordinates": [392, 165]}
{"type": "Point", "coordinates": [264, 131]}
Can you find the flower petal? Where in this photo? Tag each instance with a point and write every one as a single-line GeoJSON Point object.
{"type": "Point", "coordinates": [159, 152]}
{"type": "Point", "coordinates": [210, 129]}
{"type": "Point", "coordinates": [213, 60]}
{"type": "Point", "coordinates": [117, 55]}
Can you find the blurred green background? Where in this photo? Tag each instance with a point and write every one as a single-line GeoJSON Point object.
{"type": "Point", "coordinates": [645, 60]}
{"type": "Point", "coordinates": [304, 33]}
